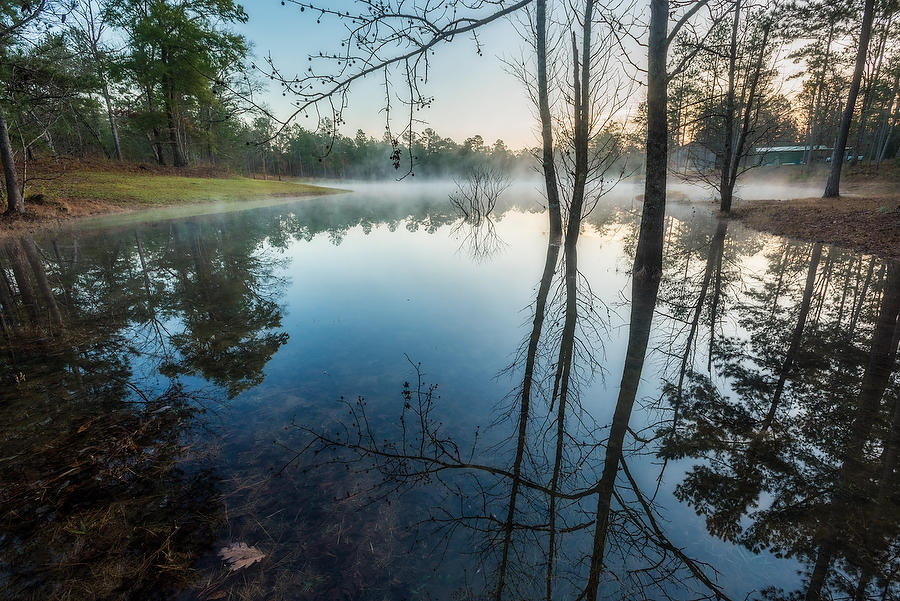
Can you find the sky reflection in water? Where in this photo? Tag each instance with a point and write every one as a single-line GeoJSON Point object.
{"type": "Point", "coordinates": [267, 318]}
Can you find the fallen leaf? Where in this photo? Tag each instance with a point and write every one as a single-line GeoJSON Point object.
{"type": "Point", "coordinates": [239, 555]}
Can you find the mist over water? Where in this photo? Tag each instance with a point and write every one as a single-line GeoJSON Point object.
{"type": "Point", "coordinates": [244, 337]}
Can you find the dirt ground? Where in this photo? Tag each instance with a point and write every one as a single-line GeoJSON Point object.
{"type": "Point", "coordinates": [865, 218]}
{"type": "Point", "coordinates": [41, 213]}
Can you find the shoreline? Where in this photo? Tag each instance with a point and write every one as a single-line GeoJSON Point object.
{"type": "Point", "coordinates": [80, 197]}
{"type": "Point", "coordinates": [866, 222]}
{"type": "Point", "coordinates": [866, 219]}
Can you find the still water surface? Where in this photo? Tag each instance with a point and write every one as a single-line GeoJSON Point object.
{"type": "Point", "coordinates": [337, 383]}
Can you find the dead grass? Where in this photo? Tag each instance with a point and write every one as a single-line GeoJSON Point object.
{"type": "Point", "coordinates": [866, 218]}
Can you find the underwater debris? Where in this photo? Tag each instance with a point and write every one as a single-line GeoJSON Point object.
{"type": "Point", "coordinates": [239, 556]}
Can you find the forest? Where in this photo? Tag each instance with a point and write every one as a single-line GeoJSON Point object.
{"type": "Point", "coordinates": [172, 82]}
{"type": "Point", "coordinates": [247, 353]}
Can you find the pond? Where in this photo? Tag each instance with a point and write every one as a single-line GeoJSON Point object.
{"type": "Point", "coordinates": [323, 399]}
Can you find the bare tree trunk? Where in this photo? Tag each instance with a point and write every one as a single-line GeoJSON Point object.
{"type": "Point", "coordinates": [20, 273]}
{"type": "Point", "coordinates": [781, 268]}
{"type": "Point", "coordinates": [15, 202]}
{"type": "Point", "coordinates": [858, 307]}
{"type": "Point", "coordinates": [717, 294]}
{"type": "Point", "coordinates": [820, 85]}
{"type": "Point", "coordinates": [887, 128]}
{"type": "Point", "coordinates": [643, 302]}
{"type": "Point", "coordinates": [66, 276]}
{"type": "Point", "coordinates": [169, 101]}
{"type": "Point", "coordinates": [713, 259]}
{"type": "Point", "coordinates": [648, 256]}
{"type": "Point", "coordinates": [581, 108]}
{"type": "Point", "coordinates": [553, 244]}
{"type": "Point", "coordinates": [155, 143]}
{"type": "Point", "coordinates": [875, 380]}
{"type": "Point", "coordinates": [886, 483]}
{"type": "Point", "coordinates": [749, 110]}
{"type": "Point", "coordinates": [178, 159]}
{"type": "Point", "coordinates": [548, 162]}
{"type": "Point", "coordinates": [823, 295]}
{"type": "Point", "coordinates": [866, 106]}
{"type": "Point", "coordinates": [844, 289]}
{"type": "Point", "coordinates": [725, 188]}
{"type": "Point", "coordinates": [210, 157]}
{"type": "Point", "coordinates": [832, 188]}
{"type": "Point", "coordinates": [6, 300]}
{"type": "Point", "coordinates": [112, 121]}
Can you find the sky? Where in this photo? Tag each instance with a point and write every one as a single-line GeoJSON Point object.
{"type": "Point", "coordinates": [473, 94]}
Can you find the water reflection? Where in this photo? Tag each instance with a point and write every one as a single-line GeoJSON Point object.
{"type": "Point", "coordinates": [96, 500]}
{"type": "Point", "coordinates": [147, 370]}
{"type": "Point", "coordinates": [798, 457]}
{"type": "Point", "coordinates": [570, 526]}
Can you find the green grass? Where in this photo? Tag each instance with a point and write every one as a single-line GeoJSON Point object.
{"type": "Point", "coordinates": [147, 190]}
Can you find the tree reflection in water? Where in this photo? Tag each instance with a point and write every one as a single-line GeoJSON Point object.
{"type": "Point", "coordinates": [788, 444]}
{"type": "Point", "coordinates": [553, 521]}
{"type": "Point", "coordinates": [795, 451]}
{"type": "Point", "coordinates": [106, 493]}
{"type": "Point", "coordinates": [776, 422]}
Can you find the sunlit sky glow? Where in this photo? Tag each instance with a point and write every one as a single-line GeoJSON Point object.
{"type": "Point", "coordinates": [473, 95]}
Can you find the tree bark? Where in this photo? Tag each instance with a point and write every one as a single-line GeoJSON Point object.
{"type": "Point", "coordinates": [15, 202]}
{"type": "Point", "coordinates": [726, 189]}
{"type": "Point", "coordinates": [648, 256]}
{"type": "Point", "coordinates": [833, 186]}
{"type": "Point", "coordinates": [114, 127]}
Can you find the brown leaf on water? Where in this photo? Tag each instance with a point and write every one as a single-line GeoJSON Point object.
{"type": "Point", "coordinates": [239, 556]}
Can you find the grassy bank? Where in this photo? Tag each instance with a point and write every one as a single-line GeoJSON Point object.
{"type": "Point", "coordinates": [52, 196]}
{"type": "Point", "coordinates": [866, 218]}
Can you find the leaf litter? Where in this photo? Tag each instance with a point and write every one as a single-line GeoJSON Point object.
{"type": "Point", "coordinates": [239, 556]}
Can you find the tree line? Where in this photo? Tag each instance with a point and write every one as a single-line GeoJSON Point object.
{"type": "Point", "coordinates": [173, 82]}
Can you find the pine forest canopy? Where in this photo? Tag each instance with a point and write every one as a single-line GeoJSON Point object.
{"type": "Point", "coordinates": [176, 82]}
{"type": "Point", "coordinates": [785, 428]}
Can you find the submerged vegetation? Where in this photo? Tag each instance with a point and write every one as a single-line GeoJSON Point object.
{"type": "Point", "coordinates": [96, 500]}
{"type": "Point", "coordinates": [137, 449]}
{"type": "Point", "coordinates": [208, 407]}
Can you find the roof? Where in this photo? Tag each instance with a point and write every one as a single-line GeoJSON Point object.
{"type": "Point", "coordinates": [788, 148]}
